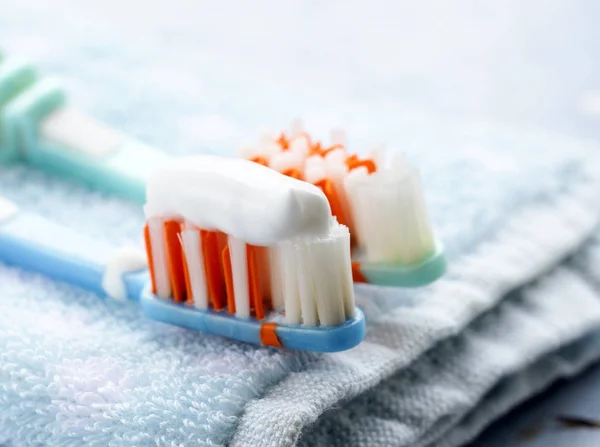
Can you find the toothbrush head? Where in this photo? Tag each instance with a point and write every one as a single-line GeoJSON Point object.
{"type": "Point", "coordinates": [382, 204]}
{"type": "Point", "coordinates": [240, 250]}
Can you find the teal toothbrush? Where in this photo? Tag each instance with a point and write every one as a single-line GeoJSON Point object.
{"type": "Point", "coordinates": [40, 128]}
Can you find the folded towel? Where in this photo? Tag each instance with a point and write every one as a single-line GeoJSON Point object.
{"type": "Point", "coordinates": [518, 308]}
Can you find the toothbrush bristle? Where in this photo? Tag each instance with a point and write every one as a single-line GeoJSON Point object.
{"type": "Point", "coordinates": [215, 275]}
{"type": "Point", "coordinates": [175, 260]}
{"type": "Point", "coordinates": [197, 293]}
{"type": "Point", "coordinates": [325, 275]}
{"type": "Point", "coordinates": [239, 273]}
{"type": "Point", "coordinates": [391, 216]}
{"type": "Point", "coordinates": [308, 277]}
{"type": "Point", "coordinates": [288, 163]}
{"type": "Point", "coordinates": [317, 278]}
{"type": "Point", "coordinates": [160, 274]}
{"type": "Point", "coordinates": [382, 205]}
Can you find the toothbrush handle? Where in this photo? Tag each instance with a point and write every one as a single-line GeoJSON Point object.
{"type": "Point", "coordinates": [123, 171]}
{"type": "Point", "coordinates": [36, 244]}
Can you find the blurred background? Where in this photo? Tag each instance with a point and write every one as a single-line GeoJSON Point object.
{"type": "Point", "coordinates": [526, 64]}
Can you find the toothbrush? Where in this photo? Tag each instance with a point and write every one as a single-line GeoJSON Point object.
{"type": "Point", "coordinates": [234, 249]}
{"type": "Point", "coordinates": [382, 205]}
{"type": "Point", "coordinates": [38, 127]}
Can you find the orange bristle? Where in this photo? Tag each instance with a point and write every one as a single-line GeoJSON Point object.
{"type": "Point", "coordinates": [254, 282]}
{"type": "Point", "coordinates": [214, 274]}
{"type": "Point", "coordinates": [175, 260]}
{"type": "Point", "coordinates": [337, 209]}
{"type": "Point", "coordinates": [353, 162]}
{"type": "Point", "coordinates": [260, 160]}
{"type": "Point", "coordinates": [294, 173]}
{"type": "Point", "coordinates": [226, 260]}
{"type": "Point", "coordinates": [263, 262]}
{"type": "Point", "coordinates": [324, 152]}
{"type": "Point", "coordinates": [186, 273]}
{"type": "Point", "coordinates": [315, 149]}
{"type": "Point", "coordinates": [357, 275]}
{"type": "Point", "coordinates": [148, 244]}
{"type": "Point", "coordinates": [283, 142]}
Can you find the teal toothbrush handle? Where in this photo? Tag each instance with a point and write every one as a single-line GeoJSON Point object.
{"type": "Point", "coordinates": [26, 104]}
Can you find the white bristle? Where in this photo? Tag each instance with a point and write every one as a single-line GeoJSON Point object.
{"type": "Point", "coordinates": [156, 228]}
{"type": "Point", "coordinates": [317, 278]}
{"type": "Point", "coordinates": [371, 216]}
{"type": "Point", "coordinates": [335, 160]}
{"type": "Point", "coordinates": [289, 277]}
{"type": "Point", "coordinates": [300, 145]}
{"type": "Point", "coordinates": [399, 165]}
{"type": "Point", "coordinates": [192, 247]}
{"type": "Point", "coordinates": [270, 149]}
{"type": "Point", "coordinates": [323, 262]}
{"type": "Point", "coordinates": [266, 146]}
{"type": "Point", "coordinates": [377, 154]}
{"type": "Point", "coordinates": [314, 169]}
{"type": "Point", "coordinates": [276, 277]}
{"type": "Point", "coordinates": [335, 166]}
{"type": "Point", "coordinates": [296, 127]}
{"type": "Point", "coordinates": [424, 242]}
{"type": "Point", "coordinates": [338, 136]}
{"type": "Point", "coordinates": [390, 215]}
{"type": "Point", "coordinates": [265, 138]}
{"type": "Point", "coordinates": [77, 131]}
{"type": "Point", "coordinates": [299, 142]}
{"type": "Point", "coordinates": [249, 152]}
{"type": "Point", "coordinates": [287, 160]}
{"type": "Point", "coordinates": [352, 186]}
{"type": "Point", "coordinates": [308, 292]}
{"type": "Point", "coordinates": [239, 271]}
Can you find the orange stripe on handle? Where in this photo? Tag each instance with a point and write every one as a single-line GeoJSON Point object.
{"type": "Point", "coordinates": [148, 243]}
{"type": "Point", "coordinates": [268, 335]}
{"type": "Point", "coordinates": [175, 260]}
{"type": "Point", "coordinates": [226, 260]}
{"type": "Point", "coordinates": [214, 274]}
{"type": "Point", "coordinates": [254, 282]}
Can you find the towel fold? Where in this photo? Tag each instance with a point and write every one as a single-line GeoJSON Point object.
{"type": "Point", "coordinates": [520, 296]}
{"type": "Point", "coordinates": [518, 309]}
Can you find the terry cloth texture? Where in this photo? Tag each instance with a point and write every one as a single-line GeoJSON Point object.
{"type": "Point", "coordinates": [519, 308]}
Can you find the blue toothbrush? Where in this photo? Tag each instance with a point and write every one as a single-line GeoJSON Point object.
{"type": "Point", "coordinates": [36, 244]}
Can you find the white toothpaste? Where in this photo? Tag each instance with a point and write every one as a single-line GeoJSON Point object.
{"type": "Point", "coordinates": [238, 197]}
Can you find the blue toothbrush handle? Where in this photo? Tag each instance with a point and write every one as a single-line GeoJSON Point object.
{"type": "Point", "coordinates": [33, 243]}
